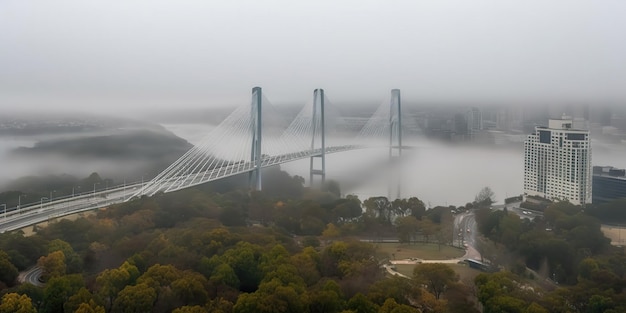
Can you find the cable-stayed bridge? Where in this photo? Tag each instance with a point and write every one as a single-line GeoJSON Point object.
{"type": "Point", "coordinates": [238, 144]}
{"type": "Point", "coordinates": [249, 139]}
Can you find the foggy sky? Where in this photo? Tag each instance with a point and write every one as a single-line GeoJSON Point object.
{"type": "Point", "coordinates": [139, 54]}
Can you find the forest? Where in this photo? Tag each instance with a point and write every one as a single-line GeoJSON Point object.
{"type": "Point", "coordinates": [295, 249]}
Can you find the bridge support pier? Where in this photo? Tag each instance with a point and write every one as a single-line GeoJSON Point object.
{"type": "Point", "coordinates": [319, 136]}
{"type": "Point", "coordinates": [395, 141]}
{"type": "Point", "coordinates": [255, 130]}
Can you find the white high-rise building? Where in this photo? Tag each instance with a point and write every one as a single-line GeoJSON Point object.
{"type": "Point", "coordinates": [557, 162]}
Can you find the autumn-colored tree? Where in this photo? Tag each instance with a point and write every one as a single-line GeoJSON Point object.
{"type": "Point", "coordinates": [307, 263]}
{"type": "Point", "coordinates": [53, 265]}
{"type": "Point", "coordinates": [109, 283]}
{"type": "Point", "coordinates": [90, 307]}
{"type": "Point", "coordinates": [82, 296]}
{"type": "Point", "coordinates": [73, 261]}
{"type": "Point", "coordinates": [159, 276]}
{"type": "Point", "coordinates": [15, 303]}
{"type": "Point", "coordinates": [190, 309]}
{"type": "Point", "coordinates": [135, 299]}
{"type": "Point", "coordinates": [331, 232]}
{"type": "Point", "coordinates": [191, 288]}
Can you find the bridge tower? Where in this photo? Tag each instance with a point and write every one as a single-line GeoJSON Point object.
{"type": "Point", "coordinates": [255, 131]}
{"type": "Point", "coordinates": [318, 137]}
{"type": "Point", "coordinates": [395, 138]}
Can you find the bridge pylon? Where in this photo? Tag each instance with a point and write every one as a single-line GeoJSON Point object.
{"type": "Point", "coordinates": [395, 137]}
{"type": "Point", "coordinates": [318, 138]}
{"type": "Point", "coordinates": [255, 131]}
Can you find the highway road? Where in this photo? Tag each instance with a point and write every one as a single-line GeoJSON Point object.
{"type": "Point", "coordinates": [14, 218]}
{"type": "Point", "coordinates": [465, 232]}
{"type": "Point", "coordinates": [45, 211]}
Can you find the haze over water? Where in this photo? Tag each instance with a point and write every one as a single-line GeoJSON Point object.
{"type": "Point", "coordinates": [436, 172]}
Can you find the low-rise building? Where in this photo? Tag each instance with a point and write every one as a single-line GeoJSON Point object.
{"type": "Point", "coordinates": [609, 184]}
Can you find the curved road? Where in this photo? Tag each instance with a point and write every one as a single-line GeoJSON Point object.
{"type": "Point", "coordinates": [31, 276]}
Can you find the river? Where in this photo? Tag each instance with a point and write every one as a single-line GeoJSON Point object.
{"type": "Point", "coordinates": [438, 173]}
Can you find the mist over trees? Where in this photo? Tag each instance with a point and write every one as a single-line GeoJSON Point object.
{"type": "Point", "coordinates": [217, 248]}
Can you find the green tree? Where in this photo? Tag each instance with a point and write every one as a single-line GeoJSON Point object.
{"type": "Point", "coordinates": [390, 306]}
{"type": "Point", "coordinates": [504, 303]}
{"type": "Point", "coordinates": [417, 207]}
{"type": "Point", "coordinates": [272, 297]}
{"type": "Point", "coordinates": [485, 197]}
{"type": "Point", "coordinates": [224, 275]}
{"type": "Point", "coordinates": [8, 272]}
{"type": "Point", "coordinates": [244, 258]}
{"type": "Point", "coordinates": [361, 304]}
{"type": "Point", "coordinates": [380, 208]}
{"type": "Point", "coordinates": [15, 303]}
{"type": "Point", "coordinates": [58, 290]}
{"type": "Point", "coordinates": [396, 288]}
{"type": "Point", "coordinates": [436, 276]}
{"type": "Point", "coordinates": [347, 209]}
{"type": "Point", "coordinates": [535, 308]}
{"type": "Point", "coordinates": [407, 227]}
{"type": "Point", "coordinates": [327, 299]}
{"type": "Point", "coordinates": [427, 228]}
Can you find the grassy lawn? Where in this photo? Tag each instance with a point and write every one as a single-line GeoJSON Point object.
{"type": "Point", "coordinates": [466, 274]}
{"type": "Point", "coordinates": [425, 251]}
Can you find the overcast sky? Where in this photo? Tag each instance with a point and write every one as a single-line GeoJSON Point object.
{"type": "Point", "coordinates": [138, 54]}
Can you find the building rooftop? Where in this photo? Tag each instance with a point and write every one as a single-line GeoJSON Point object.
{"type": "Point", "coordinates": [609, 171]}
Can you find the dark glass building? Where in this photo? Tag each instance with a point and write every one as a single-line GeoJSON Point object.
{"type": "Point", "coordinates": [609, 184]}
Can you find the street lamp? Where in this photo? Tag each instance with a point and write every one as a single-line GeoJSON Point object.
{"type": "Point", "coordinates": [5, 210]}
{"type": "Point", "coordinates": [94, 189]}
{"type": "Point", "coordinates": [77, 187]}
{"type": "Point", "coordinates": [51, 192]}
{"type": "Point", "coordinates": [19, 203]}
{"type": "Point", "coordinates": [41, 202]}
